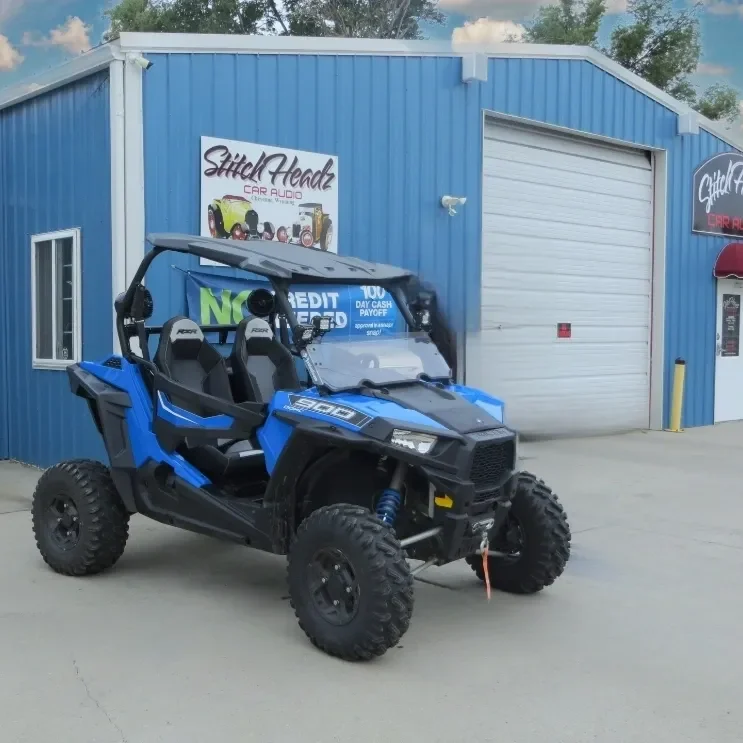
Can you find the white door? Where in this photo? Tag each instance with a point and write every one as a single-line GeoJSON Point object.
{"type": "Point", "coordinates": [566, 282]}
{"type": "Point", "coordinates": [729, 362]}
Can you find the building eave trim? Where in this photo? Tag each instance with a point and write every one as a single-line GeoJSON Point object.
{"type": "Point", "coordinates": [86, 64]}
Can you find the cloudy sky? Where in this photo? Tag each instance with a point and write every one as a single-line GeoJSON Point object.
{"type": "Point", "coordinates": [38, 34]}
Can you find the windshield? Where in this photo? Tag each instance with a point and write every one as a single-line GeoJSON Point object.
{"type": "Point", "coordinates": [345, 363]}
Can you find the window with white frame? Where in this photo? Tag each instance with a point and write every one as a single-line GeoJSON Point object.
{"type": "Point", "coordinates": [55, 299]}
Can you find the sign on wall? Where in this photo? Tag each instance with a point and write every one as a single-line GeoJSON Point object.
{"type": "Point", "coordinates": [356, 310]}
{"type": "Point", "coordinates": [272, 193]}
{"type": "Point", "coordinates": [718, 196]}
{"type": "Point", "coordinates": [730, 342]}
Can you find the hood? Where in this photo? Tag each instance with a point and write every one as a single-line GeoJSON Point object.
{"type": "Point", "coordinates": [417, 406]}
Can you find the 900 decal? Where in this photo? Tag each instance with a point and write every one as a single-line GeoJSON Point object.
{"type": "Point", "coordinates": [341, 412]}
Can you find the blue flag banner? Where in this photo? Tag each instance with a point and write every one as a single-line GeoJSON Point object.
{"type": "Point", "coordinates": [357, 310]}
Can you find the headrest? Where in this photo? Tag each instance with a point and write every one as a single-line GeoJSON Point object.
{"type": "Point", "coordinates": [257, 327]}
{"type": "Point", "coordinates": [185, 329]}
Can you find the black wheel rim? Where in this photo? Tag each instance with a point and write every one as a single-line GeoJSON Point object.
{"type": "Point", "coordinates": [63, 522]}
{"type": "Point", "coordinates": [511, 541]}
{"type": "Point", "coordinates": [334, 590]}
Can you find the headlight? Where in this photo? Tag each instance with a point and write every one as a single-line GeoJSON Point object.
{"type": "Point", "coordinates": [418, 442]}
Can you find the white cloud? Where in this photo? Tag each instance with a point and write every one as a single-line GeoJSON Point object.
{"type": "Point", "coordinates": [714, 70]}
{"type": "Point", "coordinates": [10, 57]}
{"type": "Point", "coordinates": [616, 7]}
{"type": "Point", "coordinates": [73, 36]}
{"type": "Point", "coordinates": [487, 31]}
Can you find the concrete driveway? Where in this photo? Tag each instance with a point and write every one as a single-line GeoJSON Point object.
{"type": "Point", "coordinates": [190, 640]}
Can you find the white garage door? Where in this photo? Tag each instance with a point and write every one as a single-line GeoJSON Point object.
{"type": "Point", "coordinates": [567, 250]}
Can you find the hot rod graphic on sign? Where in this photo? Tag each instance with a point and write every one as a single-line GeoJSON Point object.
{"type": "Point", "coordinates": [234, 216]}
{"type": "Point", "coordinates": [254, 191]}
{"type": "Point", "coordinates": [313, 226]}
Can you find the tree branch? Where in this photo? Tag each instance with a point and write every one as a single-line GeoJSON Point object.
{"type": "Point", "coordinates": [277, 15]}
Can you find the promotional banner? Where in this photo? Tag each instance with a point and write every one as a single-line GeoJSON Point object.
{"type": "Point", "coordinates": [356, 310]}
{"type": "Point", "coordinates": [718, 196]}
{"type": "Point", "coordinates": [252, 191]}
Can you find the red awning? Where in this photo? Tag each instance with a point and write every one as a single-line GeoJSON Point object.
{"type": "Point", "coordinates": [729, 263]}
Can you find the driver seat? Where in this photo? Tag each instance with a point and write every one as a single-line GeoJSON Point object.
{"type": "Point", "coordinates": [261, 363]}
{"type": "Point", "coordinates": [186, 357]}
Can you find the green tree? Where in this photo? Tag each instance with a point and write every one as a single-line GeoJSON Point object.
{"type": "Point", "coordinates": [380, 19]}
{"type": "Point", "coordinates": [570, 22]}
{"type": "Point", "coordinates": [719, 102]}
{"type": "Point", "coordinates": [186, 16]}
{"type": "Point", "coordinates": [386, 19]}
{"type": "Point", "coordinates": [660, 44]}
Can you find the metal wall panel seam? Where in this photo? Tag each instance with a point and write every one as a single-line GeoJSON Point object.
{"type": "Point", "coordinates": [4, 304]}
{"type": "Point", "coordinates": [118, 187]}
{"type": "Point", "coordinates": [134, 178]}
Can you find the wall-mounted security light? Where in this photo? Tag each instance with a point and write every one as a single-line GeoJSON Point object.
{"type": "Point", "coordinates": [140, 61]}
{"type": "Point", "coordinates": [449, 202]}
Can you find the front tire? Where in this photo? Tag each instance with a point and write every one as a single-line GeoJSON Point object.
{"type": "Point", "coordinates": [537, 536]}
{"type": "Point", "coordinates": [80, 523]}
{"type": "Point", "coordinates": [349, 583]}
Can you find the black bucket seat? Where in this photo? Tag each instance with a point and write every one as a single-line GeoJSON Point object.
{"type": "Point", "coordinates": [188, 359]}
{"type": "Point", "coordinates": [261, 363]}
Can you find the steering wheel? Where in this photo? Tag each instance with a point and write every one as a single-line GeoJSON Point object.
{"type": "Point", "coordinates": [368, 361]}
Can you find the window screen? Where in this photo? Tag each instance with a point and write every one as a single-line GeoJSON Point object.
{"type": "Point", "coordinates": [55, 297]}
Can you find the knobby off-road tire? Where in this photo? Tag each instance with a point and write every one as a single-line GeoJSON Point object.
{"type": "Point", "coordinates": [380, 582]}
{"type": "Point", "coordinates": [545, 546]}
{"type": "Point", "coordinates": [102, 526]}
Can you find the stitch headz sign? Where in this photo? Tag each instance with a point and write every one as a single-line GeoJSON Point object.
{"type": "Point", "coordinates": [718, 196]}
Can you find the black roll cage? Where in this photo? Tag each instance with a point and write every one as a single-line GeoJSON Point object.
{"type": "Point", "coordinates": [400, 288]}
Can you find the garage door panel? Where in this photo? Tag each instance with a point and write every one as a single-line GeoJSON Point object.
{"type": "Point", "coordinates": [596, 182]}
{"type": "Point", "coordinates": [589, 315]}
{"type": "Point", "coordinates": [592, 339]}
{"type": "Point", "coordinates": [525, 252]}
{"type": "Point", "coordinates": [541, 141]}
{"type": "Point", "coordinates": [583, 216]}
{"type": "Point", "coordinates": [567, 238]}
{"type": "Point", "coordinates": [497, 157]}
{"type": "Point", "coordinates": [616, 205]}
{"type": "Point", "coordinates": [499, 224]}
{"type": "Point", "coordinates": [588, 413]}
{"type": "Point", "coordinates": [536, 270]}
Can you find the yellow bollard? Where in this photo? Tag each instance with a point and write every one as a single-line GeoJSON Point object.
{"type": "Point", "coordinates": [677, 402]}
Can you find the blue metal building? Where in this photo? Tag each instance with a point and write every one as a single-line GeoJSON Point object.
{"type": "Point", "coordinates": [109, 145]}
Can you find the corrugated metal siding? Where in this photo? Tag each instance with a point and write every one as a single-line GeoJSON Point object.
{"type": "Point", "coordinates": [54, 174]}
{"type": "Point", "coordinates": [407, 131]}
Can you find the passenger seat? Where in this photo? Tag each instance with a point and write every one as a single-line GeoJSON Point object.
{"type": "Point", "coordinates": [261, 363]}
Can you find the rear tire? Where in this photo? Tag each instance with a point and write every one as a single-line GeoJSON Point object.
{"type": "Point", "coordinates": [545, 541]}
{"type": "Point", "coordinates": [80, 523]}
{"type": "Point", "coordinates": [364, 605]}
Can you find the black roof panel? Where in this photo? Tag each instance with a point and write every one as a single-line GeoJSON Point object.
{"type": "Point", "coordinates": [278, 260]}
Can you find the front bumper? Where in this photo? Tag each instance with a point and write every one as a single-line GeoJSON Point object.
{"type": "Point", "coordinates": [465, 514]}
